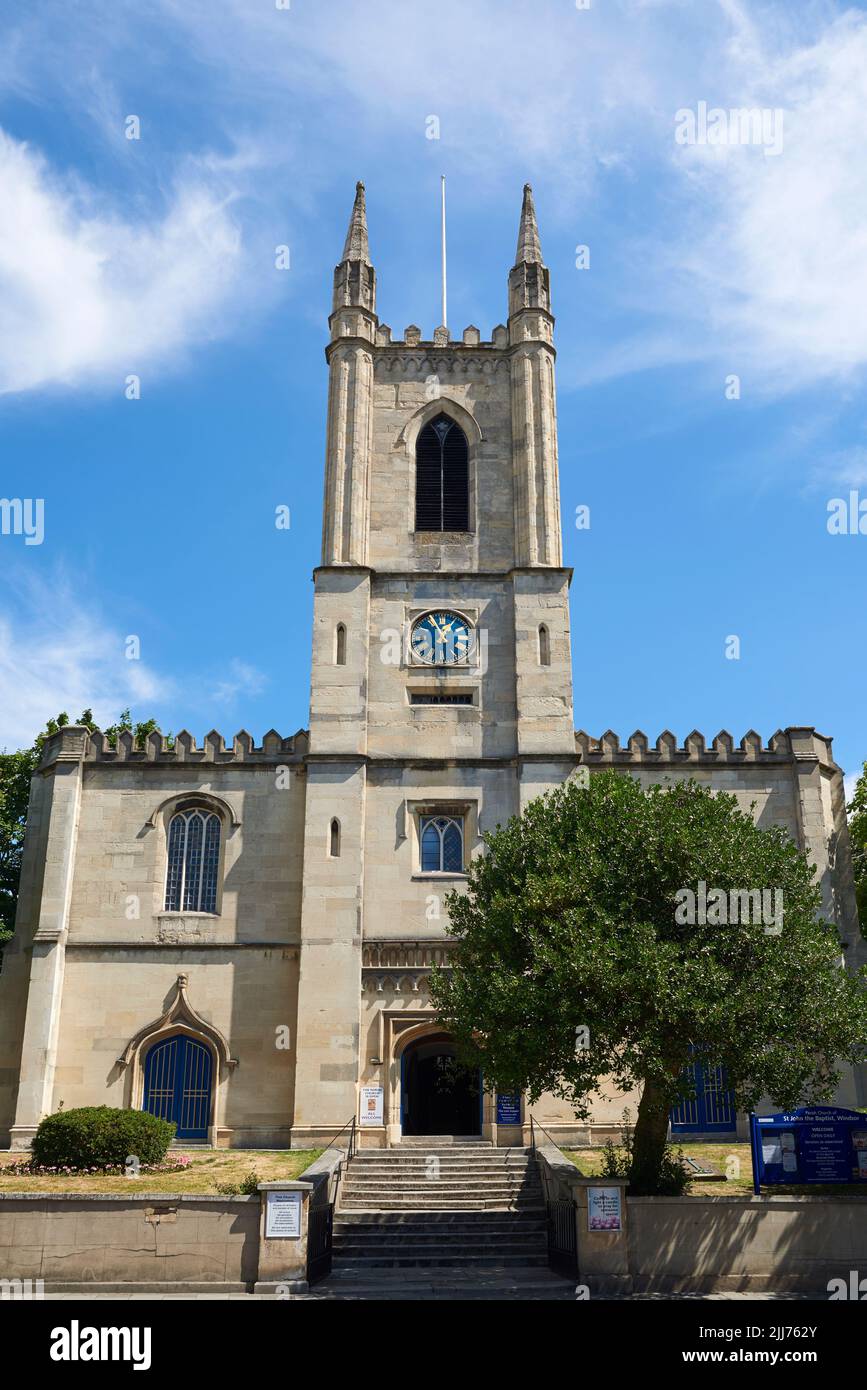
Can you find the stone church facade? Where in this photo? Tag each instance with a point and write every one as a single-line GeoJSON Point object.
{"type": "Point", "coordinates": [241, 936]}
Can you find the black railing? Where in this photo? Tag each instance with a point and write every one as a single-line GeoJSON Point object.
{"type": "Point", "coordinates": [559, 1214]}
{"type": "Point", "coordinates": [320, 1219]}
{"type": "Point", "coordinates": [351, 1150]}
{"type": "Point", "coordinates": [320, 1233]}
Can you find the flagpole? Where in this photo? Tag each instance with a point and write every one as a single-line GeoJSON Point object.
{"type": "Point", "coordinates": [443, 185]}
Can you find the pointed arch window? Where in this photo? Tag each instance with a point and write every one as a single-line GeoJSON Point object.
{"type": "Point", "coordinates": [340, 645]}
{"type": "Point", "coordinates": [442, 845]}
{"type": "Point", "coordinates": [334, 839]}
{"type": "Point", "coordinates": [544, 646]}
{"type": "Point", "coordinates": [193, 861]}
{"type": "Point", "coordinates": [442, 491]}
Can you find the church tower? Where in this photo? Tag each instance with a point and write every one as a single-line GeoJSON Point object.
{"type": "Point", "coordinates": [441, 695]}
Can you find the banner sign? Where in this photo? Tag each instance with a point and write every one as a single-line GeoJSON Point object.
{"type": "Point", "coordinates": [822, 1144]}
{"type": "Point", "coordinates": [508, 1108]}
{"type": "Point", "coordinates": [371, 1105]}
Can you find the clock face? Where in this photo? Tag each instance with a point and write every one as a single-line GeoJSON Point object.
{"type": "Point", "coordinates": [442, 639]}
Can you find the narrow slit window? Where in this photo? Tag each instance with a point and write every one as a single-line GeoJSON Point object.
{"type": "Point", "coordinates": [544, 646]}
{"type": "Point", "coordinates": [340, 645]}
{"type": "Point", "coordinates": [334, 839]}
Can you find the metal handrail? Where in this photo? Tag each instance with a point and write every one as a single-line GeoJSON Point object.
{"type": "Point", "coordinates": [533, 1128]}
{"type": "Point", "coordinates": [352, 1149]}
{"type": "Point", "coordinates": [351, 1125]}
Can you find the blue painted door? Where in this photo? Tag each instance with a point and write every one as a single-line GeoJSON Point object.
{"type": "Point", "coordinates": [712, 1111]}
{"type": "Point", "coordinates": [178, 1085]}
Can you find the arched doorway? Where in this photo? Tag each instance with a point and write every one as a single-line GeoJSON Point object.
{"type": "Point", "coordinates": [438, 1095]}
{"type": "Point", "coordinates": [177, 1085]}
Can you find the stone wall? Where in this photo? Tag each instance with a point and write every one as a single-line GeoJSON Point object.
{"type": "Point", "coordinates": [751, 1244]}
{"type": "Point", "coordinates": [144, 1240]}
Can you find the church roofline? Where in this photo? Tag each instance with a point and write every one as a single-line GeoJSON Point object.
{"type": "Point", "coordinates": [796, 743]}
{"type": "Point", "coordinates": [76, 743]}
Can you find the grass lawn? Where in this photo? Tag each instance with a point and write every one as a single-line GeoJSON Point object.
{"type": "Point", "coordinates": [730, 1159]}
{"type": "Point", "coordinates": [208, 1168]}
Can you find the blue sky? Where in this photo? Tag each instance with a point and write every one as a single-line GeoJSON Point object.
{"type": "Point", "coordinates": [155, 257]}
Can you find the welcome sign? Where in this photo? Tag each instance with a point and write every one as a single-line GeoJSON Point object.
{"type": "Point", "coordinates": [817, 1144]}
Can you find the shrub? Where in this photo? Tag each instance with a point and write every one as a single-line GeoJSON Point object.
{"type": "Point", "coordinates": [671, 1180]}
{"type": "Point", "coordinates": [99, 1135]}
{"type": "Point", "coordinates": [247, 1187]}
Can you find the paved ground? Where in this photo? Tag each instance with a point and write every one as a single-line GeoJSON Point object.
{"type": "Point", "coordinates": [495, 1287]}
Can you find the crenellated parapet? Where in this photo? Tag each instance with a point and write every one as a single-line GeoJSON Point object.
{"type": "Point", "coordinates": [795, 744]}
{"type": "Point", "coordinates": [74, 742]}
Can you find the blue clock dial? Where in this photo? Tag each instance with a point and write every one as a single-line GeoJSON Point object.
{"type": "Point", "coordinates": [441, 639]}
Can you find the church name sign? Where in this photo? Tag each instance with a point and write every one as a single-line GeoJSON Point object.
{"type": "Point", "coordinates": [818, 1144]}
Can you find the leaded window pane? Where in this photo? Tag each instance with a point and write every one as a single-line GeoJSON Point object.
{"type": "Point", "coordinates": [210, 864]}
{"type": "Point", "coordinates": [430, 849]}
{"type": "Point", "coordinates": [193, 862]}
{"type": "Point", "coordinates": [453, 849]}
{"type": "Point", "coordinates": [174, 875]}
{"type": "Point", "coordinates": [442, 845]}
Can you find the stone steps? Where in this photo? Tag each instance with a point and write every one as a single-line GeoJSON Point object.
{"type": "Point", "coordinates": [443, 1284]}
{"type": "Point", "coordinates": [458, 1222]}
{"type": "Point", "coordinates": [512, 1257]}
{"type": "Point", "coordinates": [450, 1141]}
{"type": "Point", "coordinates": [477, 1208]}
{"type": "Point", "coordinates": [441, 1201]}
{"type": "Point", "coordinates": [444, 1165]}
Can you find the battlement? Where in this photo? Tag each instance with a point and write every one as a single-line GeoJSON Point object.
{"type": "Point", "coordinates": [75, 743]}
{"type": "Point", "coordinates": [795, 744]}
{"type": "Point", "coordinates": [470, 338]}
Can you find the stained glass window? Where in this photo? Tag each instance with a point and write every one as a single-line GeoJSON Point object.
{"type": "Point", "coordinates": [193, 861]}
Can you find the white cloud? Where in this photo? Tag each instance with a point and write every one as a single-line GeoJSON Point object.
{"type": "Point", "coordinates": [239, 678]}
{"type": "Point", "coordinates": [56, 654]}
{"type": "Point", "coordinates": [88, 295]}
{"type": "Point", "coordinates": [775, 252]}
{"type": "Point", "coordinates": [755, 263]}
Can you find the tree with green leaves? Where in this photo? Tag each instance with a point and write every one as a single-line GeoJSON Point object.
{"type": "Point", "coordinates": [579, 961]}
{"type": "Point", "coordinates": [857, 809]}
{"type": "Point", "coordinates": [16, 770]}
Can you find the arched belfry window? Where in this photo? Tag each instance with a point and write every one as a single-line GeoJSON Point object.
{"type": "Point", "coordinates": [544, 646]}
{"type": "Point", "coordinates": [340, 645]}
{"type": "Point", "coordinates": [442, 493]}
{"type": "Point", "coordinates": [193, 861]}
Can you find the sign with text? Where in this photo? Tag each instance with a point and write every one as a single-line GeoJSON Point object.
{"type": "Point", "coordinates": [817, 1144]}
{"type": "Point", "coordinates": [371, 1105]}
{"type": "Point", "coordinates": [604, 1211]}
{"type": "Point", "coordinates": [508, 1108]}
{"type": "Point", "coordinates": [282, 1215]}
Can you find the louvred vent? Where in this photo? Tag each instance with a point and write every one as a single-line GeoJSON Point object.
{"type": "Point", "coordinates": [442, 478]}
